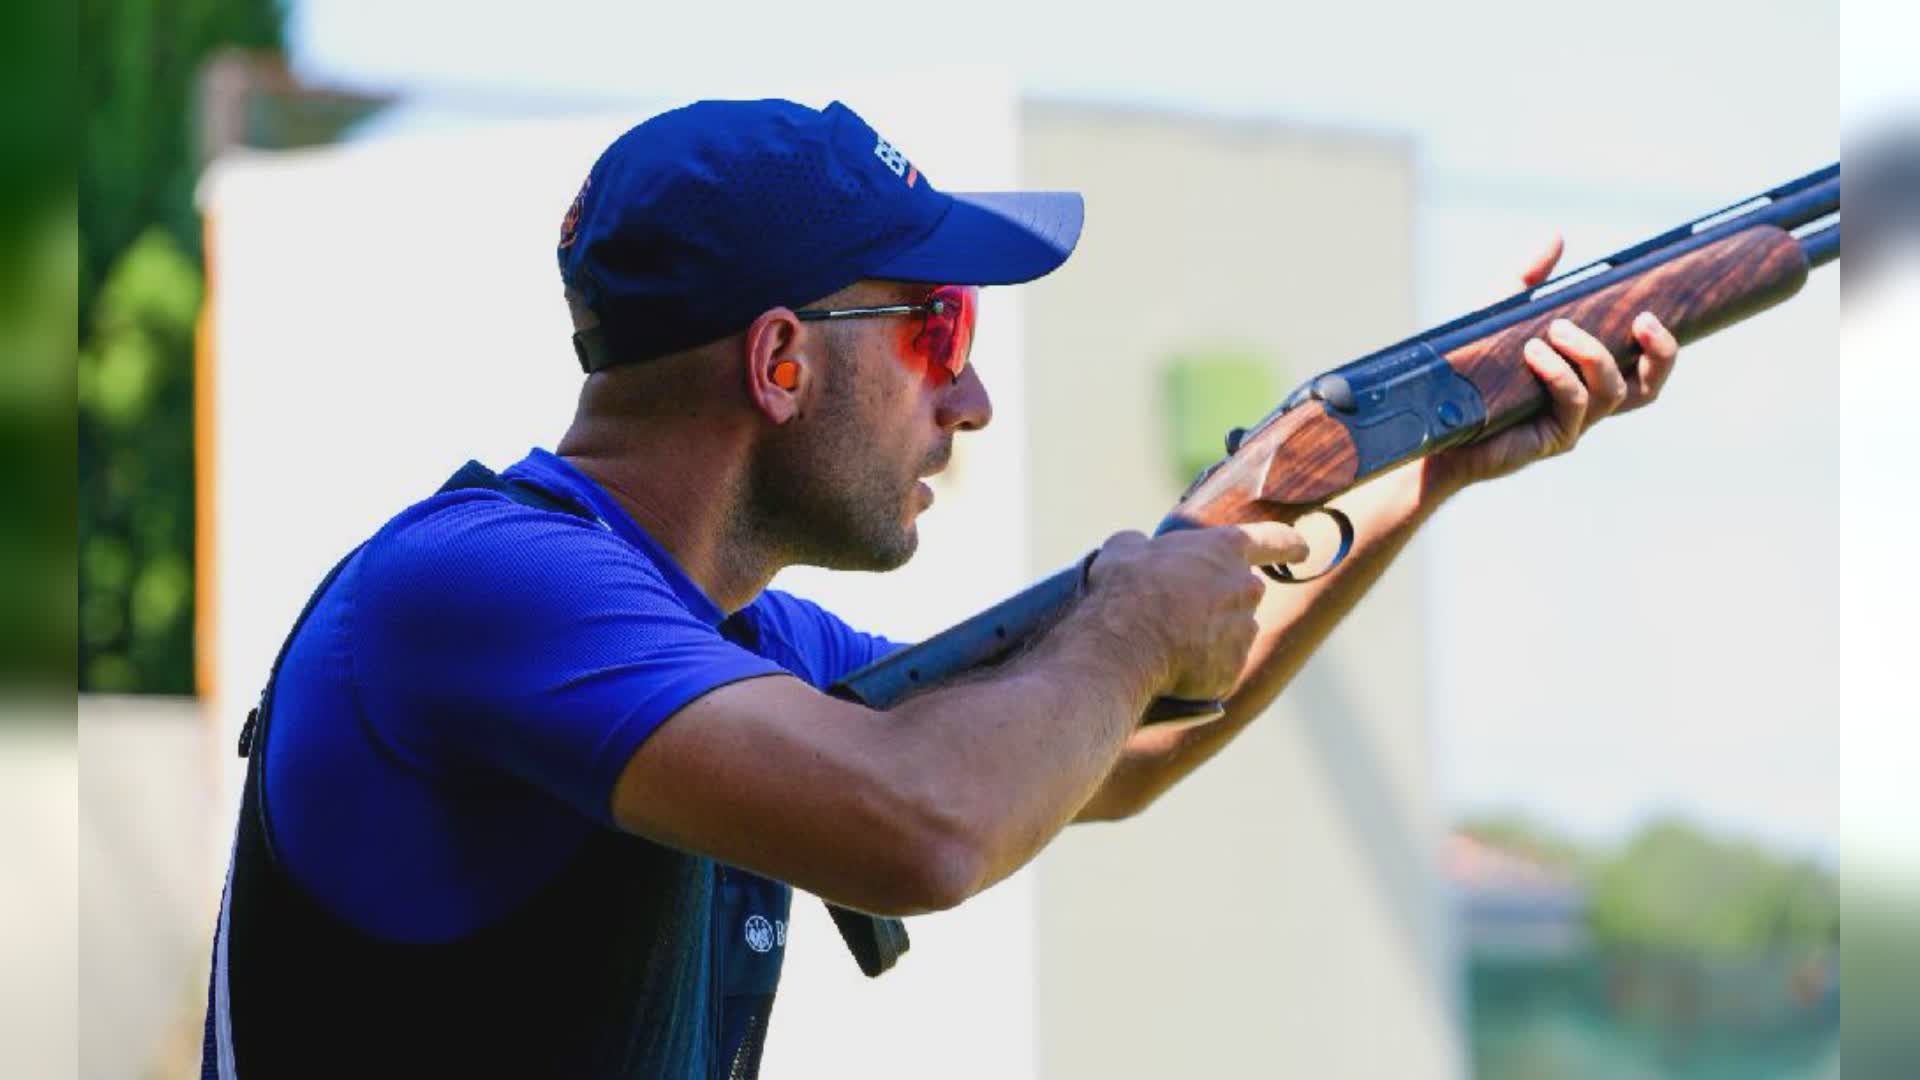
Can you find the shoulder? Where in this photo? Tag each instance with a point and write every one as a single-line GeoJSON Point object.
{"type": "Point", "coordinates": [811, 641]}
{"type": "Point", "coordinates": [484, 575]}
{"type": "Point", "coordinates": [479, 552]}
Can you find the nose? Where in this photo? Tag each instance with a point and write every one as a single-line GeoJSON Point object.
{"type": "Point", "coordinates": [964, 404]}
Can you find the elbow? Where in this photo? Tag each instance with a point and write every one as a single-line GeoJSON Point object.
{"type": "Point", "coordinates": [944, 872]}
{"type": "Point", "coordinates": [939, 856]}
{"type": "Point", "coordinates": [918, 876]}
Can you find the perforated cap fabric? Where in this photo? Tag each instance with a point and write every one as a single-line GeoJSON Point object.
{"type": "Point", "coordinates": [694, 222]}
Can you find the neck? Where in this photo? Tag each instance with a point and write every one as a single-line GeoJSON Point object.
{"type": "Point", "coordinates": [688, 489]}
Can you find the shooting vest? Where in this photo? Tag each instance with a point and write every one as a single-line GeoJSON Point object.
{"type": "Point", "coordinates": [607, 972]}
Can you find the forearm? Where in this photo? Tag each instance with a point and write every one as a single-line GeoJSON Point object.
{"type": "Point", "coordinates": [1013, 754]}
{"type": "Point", "coordinates": [1294, 621]}
{"type": "Point", "coordinates": [1584, 384]}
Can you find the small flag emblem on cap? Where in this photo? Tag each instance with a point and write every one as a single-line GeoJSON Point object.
{"type": "Point", "coordinates": [570, 225]}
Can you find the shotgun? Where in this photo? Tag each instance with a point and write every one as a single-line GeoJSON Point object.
{"type": "Point", "coordinates": [1453, 384]}
{"type": "Point", "coordinates": [1456, 383]}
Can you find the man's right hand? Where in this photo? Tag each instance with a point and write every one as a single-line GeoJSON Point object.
{"type": "Point", "coordinates": [1187, 599]}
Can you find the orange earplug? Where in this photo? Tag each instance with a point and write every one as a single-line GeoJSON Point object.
{"type": "Point", "coordinates": [786, 374]}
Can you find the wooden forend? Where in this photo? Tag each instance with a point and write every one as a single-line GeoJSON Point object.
{"type": "Point", "coordinates": [1694, 295]}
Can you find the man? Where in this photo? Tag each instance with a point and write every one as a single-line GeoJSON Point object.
{"type": "Point", "coordinates": [538, 766]}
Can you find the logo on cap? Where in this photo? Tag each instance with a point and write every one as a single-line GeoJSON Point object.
{"type": "Point", "coordinates": [570, 225]}
{"type": "Point", "coordinates": [897, 161]}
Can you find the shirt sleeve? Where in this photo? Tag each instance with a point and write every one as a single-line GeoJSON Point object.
{"type": "Point", "coordinates": [816, 644]}
{"type": "Point", "coordinates": [495, 636]}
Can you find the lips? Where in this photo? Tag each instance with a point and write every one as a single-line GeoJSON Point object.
{"type": "Point", "coordinates": [936, 464]}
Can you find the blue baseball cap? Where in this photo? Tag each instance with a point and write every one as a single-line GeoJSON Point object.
{"type": "Point", "coordinates": [697, 220]}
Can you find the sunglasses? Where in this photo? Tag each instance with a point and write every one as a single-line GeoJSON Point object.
{"type": "Point", "coordinates": [943, 340]}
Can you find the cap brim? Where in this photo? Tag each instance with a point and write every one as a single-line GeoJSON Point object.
{"type": "Point", "coordinates": [993, 238]}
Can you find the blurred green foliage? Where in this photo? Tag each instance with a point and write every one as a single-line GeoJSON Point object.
{"type": "Point", "coordinates": [140, 286]}
{"type": "Point", "coordinates": [1676, 887]}
{"type": "Point", "coordinates": [1880, 964]}
{"type": "Point", "coordinates": [36, 380]}
{"type": "Point", "coordinates": [37, 276]}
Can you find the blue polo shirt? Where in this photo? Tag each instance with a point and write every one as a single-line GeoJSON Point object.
{"type": "Point", "coordinates": [449, 725]}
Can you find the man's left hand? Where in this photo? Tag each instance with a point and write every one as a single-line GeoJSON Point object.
{"type": "Point", "coordinates": [1584, 383]}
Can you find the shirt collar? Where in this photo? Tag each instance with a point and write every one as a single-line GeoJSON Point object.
{"type": "Point", "coordinates": [555, 474]}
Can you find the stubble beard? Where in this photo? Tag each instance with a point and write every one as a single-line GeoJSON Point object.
{"type": "Point", "coordinates": [825, 495]}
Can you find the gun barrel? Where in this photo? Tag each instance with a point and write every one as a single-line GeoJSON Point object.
{"type": "Point", "coordinates": [1822, 245]}
{"type": "Point", "coordinates": [1789, 206]}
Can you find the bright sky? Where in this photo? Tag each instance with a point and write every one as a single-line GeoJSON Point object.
{"type": "Point", "coordinates": [1611, 121]}
{"type": "Point", "coordinates": [1650, 99]}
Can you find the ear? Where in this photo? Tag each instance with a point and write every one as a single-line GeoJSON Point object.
{"type": "Point", "coordinates": [778, 377]}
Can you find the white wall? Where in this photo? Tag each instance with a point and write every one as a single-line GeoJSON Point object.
{"type": "Point", "coordinates": [40, 921]}
{"type": "Point", "coordinates": [1278, 911]}
{"type": "Point", "coordinates": [146, 919]}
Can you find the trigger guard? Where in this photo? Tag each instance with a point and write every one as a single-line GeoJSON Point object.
{"type": "Point", "coordinates": [1279, 571]}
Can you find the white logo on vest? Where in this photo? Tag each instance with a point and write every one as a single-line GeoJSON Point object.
{"type": "Point", "coordinates": [759, 933]}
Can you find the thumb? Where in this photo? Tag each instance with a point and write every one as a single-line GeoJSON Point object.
{"type": "Point", "coordinates": [1542, 265]}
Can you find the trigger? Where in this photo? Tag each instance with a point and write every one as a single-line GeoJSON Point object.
{"type": "Point", "coordinates": [1285, 575]}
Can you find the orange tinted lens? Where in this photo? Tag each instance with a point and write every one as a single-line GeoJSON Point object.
{"type": "Point", "coordinates": [948, 336]}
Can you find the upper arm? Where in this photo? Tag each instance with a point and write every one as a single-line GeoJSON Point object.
{"type": "Point", "coordinates": [537, 645]}
{"type": "Point", "coordinates": [495, 638]}
{"type": "Point", "coordinates": [773, 776]}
